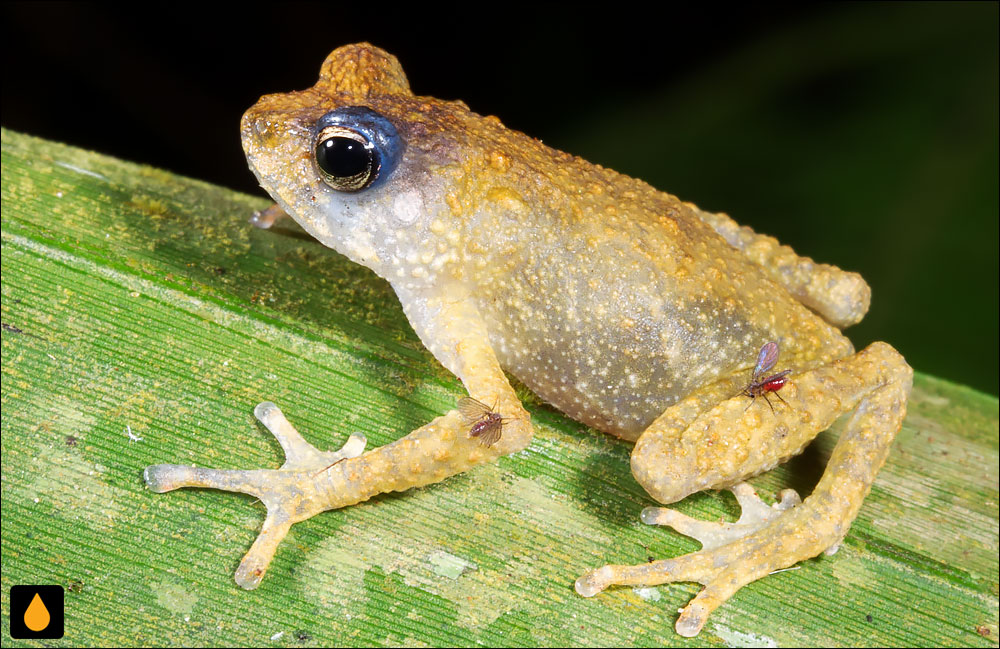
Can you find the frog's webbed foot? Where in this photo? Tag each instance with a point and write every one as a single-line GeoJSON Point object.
{"type": "Point", "coordinates": [312, 481]}
{"type": "Point", "coordinates": [289, 493]}
{"type": "Point", "coordinates": [688, 449]}
{"type": "Point", "coordinates": [733, 554]}
{"type": "Point", "coordinates": [715, 570]}
{"type": "Point", "coordinates": [755, 514]}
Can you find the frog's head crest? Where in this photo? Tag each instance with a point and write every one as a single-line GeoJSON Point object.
{"type": "Point", "coordinates": [363, 70]}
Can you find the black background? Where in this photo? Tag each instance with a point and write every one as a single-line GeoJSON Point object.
{"type": "Point", "coordinates": [864, 135]}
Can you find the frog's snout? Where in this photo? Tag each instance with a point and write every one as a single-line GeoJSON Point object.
{"type": "Point", "coordinates": [258, 133]}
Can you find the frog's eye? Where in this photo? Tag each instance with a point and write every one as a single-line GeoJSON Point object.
{"type": "Point", "coordinates": [347, 160]}
{"type": "Point", "coordinates": [356, 148]}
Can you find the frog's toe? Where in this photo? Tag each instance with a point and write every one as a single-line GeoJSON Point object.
{"type": "Point", "coordinates": [755, 514]}
{"type": "Point", "coordinates": [701, 567]}
{"type": "Point", "coordinates": [300, 456]}
{"type": "Point", "coordinates": [266, 218]}
{"type": "Point", "coordinates": [690, 567]}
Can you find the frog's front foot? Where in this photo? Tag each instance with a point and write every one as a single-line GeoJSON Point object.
{"type": "Point", "coordinates": [266, 218]}
{"type": "Point", "coordinates": [313, 481]}
{"type": "Point", "coordinates": [291, 494]}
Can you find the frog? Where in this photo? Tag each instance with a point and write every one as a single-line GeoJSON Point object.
{"type": "Point", "coordinates": [626, 308]}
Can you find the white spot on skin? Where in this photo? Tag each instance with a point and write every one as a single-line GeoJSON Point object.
{"type": "Point", "coordinates": [408, 206]}
{"type": "Point", "coordinates": [360, 249]}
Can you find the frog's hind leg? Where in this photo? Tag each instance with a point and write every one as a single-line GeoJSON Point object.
{"type": "Point", "coordinates": [725, 445]}
{"type": "Point", "coordinates": [839, 297]}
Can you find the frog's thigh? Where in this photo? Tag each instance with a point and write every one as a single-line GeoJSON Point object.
{"type": "Point", "coordinates": [311, 481]}
{"type": "Point", "coordinates": [723, 445]}
{"type": "Point", "coordinates": [712, 439]}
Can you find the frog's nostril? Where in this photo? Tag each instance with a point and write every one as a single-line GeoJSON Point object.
{"type": "Point", "coordinates": [261, 129]}
{"type": "Point", "coordinates": [250, 128]}
{"type": "Point", "coordinates": [258, 132]}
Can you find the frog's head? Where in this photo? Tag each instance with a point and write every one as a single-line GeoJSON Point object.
{"type": "Point", "coordinates": [356, 158]}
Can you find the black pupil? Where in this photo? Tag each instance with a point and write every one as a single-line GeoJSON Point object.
{"type": "Point", "coordinates": [342, 157]}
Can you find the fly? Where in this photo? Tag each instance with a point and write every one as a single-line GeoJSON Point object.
{"type": "Point", "coordinates": [485, 423]}
{"type": "Point", "coordinates": [759, 384]}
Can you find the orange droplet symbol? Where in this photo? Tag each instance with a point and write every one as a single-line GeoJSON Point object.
{"type": "Point", "coordinates": [37, 616]}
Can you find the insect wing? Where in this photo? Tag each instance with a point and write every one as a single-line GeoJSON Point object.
{"type": "Point", "coordinates": [473, 409]}
{"type": "Point", "coordinates": [767, 357]}
{"type": "Point", "coordinates": [780, 375]}
{"type": "Point", "coordinates": [487, 425]}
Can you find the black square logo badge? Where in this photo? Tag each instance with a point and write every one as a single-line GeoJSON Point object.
{"type": "Point", "coordinates": [36, 612]}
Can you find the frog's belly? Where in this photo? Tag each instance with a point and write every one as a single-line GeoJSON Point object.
{"type": "Point", "coordinates": [615, 357]}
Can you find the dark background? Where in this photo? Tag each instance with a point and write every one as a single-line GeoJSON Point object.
{"type": "Point", "coordinates": [863, 135]}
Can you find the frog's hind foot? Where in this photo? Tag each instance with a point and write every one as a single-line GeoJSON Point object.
{"type": "Point", "coordinates": [289, 493]}
{"type": "Point", "coordinates": [723, 565]}
{"type": "Point", "coordinates": [874, 383]}
{"type": "Point", "coordinates": [755, 514]}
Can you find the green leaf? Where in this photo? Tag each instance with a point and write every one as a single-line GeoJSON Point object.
{"type": "Point", "coordinates": [143, 319]}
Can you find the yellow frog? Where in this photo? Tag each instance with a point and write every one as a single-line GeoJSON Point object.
{"type": "Point", "coordinates": [624, 307]}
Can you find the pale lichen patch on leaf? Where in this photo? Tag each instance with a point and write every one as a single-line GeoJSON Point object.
{"type": "Point", "coordinates": [851, 571]}
{"type": "Point", "coordinates": [448, 565]}
{"type": "Point", "coordinates": [650, 594]}
{"type": "Point", "coordinates": [174, 597]}
{"type": "Point", "coordinates": [734, 638]}
{"type": "Point", "coordinates": [62, 482]}
{"type": "Point", "coordinates": [430, 555]}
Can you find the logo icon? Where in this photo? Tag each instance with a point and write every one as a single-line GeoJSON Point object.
{"type": "Point", "coordinates": [36, 612]}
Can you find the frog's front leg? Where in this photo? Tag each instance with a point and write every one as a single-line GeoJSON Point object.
{"type": "Point", "coordinates": [266, 218]}
{"type": "Point", "coordinates": [839, 297]}
{"type": "Point", "coordinates": [731, 442]}
{"type": "Point", "coordinates": [312, 481]}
